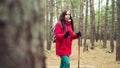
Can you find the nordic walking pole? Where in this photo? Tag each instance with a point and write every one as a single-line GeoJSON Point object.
{"type": "Point", "coordinates": [79, 52]}
{"type": "Point", "coordinates": [79, 49]}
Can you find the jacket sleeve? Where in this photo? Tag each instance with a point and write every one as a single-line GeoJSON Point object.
{"type": "Point", "coordinates": [58, 33]}
{"type": "Point", "coordinates": [73, 35]}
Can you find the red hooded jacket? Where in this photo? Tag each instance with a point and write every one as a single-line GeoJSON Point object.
{"type": "Point", "coordinates": [64, 45]}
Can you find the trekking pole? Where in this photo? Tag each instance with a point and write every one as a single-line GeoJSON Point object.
{"type": "Point", "coordinates": [79, 52]}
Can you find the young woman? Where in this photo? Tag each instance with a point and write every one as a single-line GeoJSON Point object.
{"type": "Point", "coordinates": [64, 33]}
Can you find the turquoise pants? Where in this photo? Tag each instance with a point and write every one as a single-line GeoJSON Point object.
{"type": "Point", "coordinates": [64, 62]}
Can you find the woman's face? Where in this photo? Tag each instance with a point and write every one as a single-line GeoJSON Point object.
{"type": "Point", "coordinates": [67, 15]}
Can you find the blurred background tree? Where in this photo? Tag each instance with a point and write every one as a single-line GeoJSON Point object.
{"type": "Point", "coordinates": [21, 34]}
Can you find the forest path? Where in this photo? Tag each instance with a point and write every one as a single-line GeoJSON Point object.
{"type": "Point", "coordinates": [82, 66]}
{"type": "Point", "coordinates": [97, 58]}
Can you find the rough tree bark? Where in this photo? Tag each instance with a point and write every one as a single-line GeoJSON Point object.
{"type": "Point", "coordinates": [98, 26]}
{"type": "Point", "coordinates": [92, 20]}
{"type": "Point", "coordinates": [81, 19]}
{"type": "Point", "coordinates": [50, 23]}
{"type": "Point", "coordinates": [85, 34]}
{"type": "Point", "coordinates": [21, 35]}
{"type": "Point", "coordinates": [112, 29]}
{"type": "Point", "coordinates": [105, 26]}
{"type": "Point", "coordinates": [118, 32]}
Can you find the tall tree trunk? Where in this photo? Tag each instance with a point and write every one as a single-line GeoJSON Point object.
{"type": "Point", "coordinates": [66, 4]}
{"type": "Point", "coordinates": [97, 34]}
{"type": "Point", "coordinates": [81, 18]}
{"type": "Point", "coordinates": [101, 24]}
{"type": "Point", "coordinates": [50, 25]}
{"type": "Point", "coordinates": [92, 20]}
{"type": "Point", "coordinates": [56, 10]}
{"type": "Point", "coordinates": [60, 5]}
{"type": "Point", "coordinates": [73, 9]}
{"type": "Point", "coordinates": [112, 29]}
{"type": "Point", "coordinates": [105, 25]}
{"type": "Point", "coordinates": [46, 20]}
{"type": "Point", "coordinates": [47, 24]}
{"type": "Point", "coordinates": [118, 32]}
{"type": "Point", "coordinates": [23, 46]}
{"type": "Point", "coordinates": [85, 34]}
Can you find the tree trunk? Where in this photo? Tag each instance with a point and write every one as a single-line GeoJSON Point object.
{"type": "Point", "coordinates": [105, 25]}
{"type": "Point", "coordinates": [101, 23]}
{"type": "Point", "coordinates": [66, 4]}
{"type": "Point", "coordinates": [47, 23]}
{"type": "Point", "coordinates": [81, 19]}
{"type": "Point", "coordinates": [97, 34]}
{"type": "Point", "coordinates": [60, 6]}
{"type": "Point", "coordinates": [118, 32]}
{"type": "Point", "coordinates": [21, 35]}
{"type": "Point", "coordinates": [112, 29]}
{"type": "Point", "coordinates": [50, 23]}
{"type": "Point", "coordinates": [92, 23]}
{"type": "Point", "coordinates": [73, 9]}
{"type": "Point", "coordinates": [85, 34]}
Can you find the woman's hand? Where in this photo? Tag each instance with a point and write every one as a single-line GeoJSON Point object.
{"type": "Point", "coordinates": [78, 34]}
{"type": "Point", "coordinates": [66, 34]}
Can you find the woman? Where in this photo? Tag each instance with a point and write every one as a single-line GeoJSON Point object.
{"type": "Point", "coordinates": [64, 33]}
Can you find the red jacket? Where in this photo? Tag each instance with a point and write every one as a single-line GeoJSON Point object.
{"type": "Point", "coordinates": [63, 45]}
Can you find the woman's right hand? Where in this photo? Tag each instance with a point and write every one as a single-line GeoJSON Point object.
{"type": "Point", "coordinates": [66, 34]}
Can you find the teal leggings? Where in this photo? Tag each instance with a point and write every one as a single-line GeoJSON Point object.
{"type": "Point", "coordinates": [64, 63]}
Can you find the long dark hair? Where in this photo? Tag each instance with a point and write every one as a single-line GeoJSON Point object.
{"type": "Point", "coordinates": [62, 20]}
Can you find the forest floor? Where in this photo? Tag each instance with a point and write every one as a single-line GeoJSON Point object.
{"type": "Point", "coordinates": [97, 58]}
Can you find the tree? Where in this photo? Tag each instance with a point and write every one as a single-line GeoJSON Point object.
{"type": "Point", "coordinates": [101, 20]}
{"type": "Point", "coordinates": [112, 29]}
{"type": "Point", "coordinates": [118, 32]}
{"type": "Point", "coordinates": [97, 34]}
{"type": "Point", "coordinates": [21, 35]}
{"type": "Point", "coordinates": [86, 21]}
{"type": "Point", "coordinates": [47, 21]}
{"type": "Point", "coordinates": [73, 8]}
{"type": "Point", "coordinates": [105, 25]}
{"type": "Point", "coordinates": [92, 21]}
{"type": "Point", "coordinates": [49, 25]}
{"type": "Point", "coordinates": [81, 18]}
